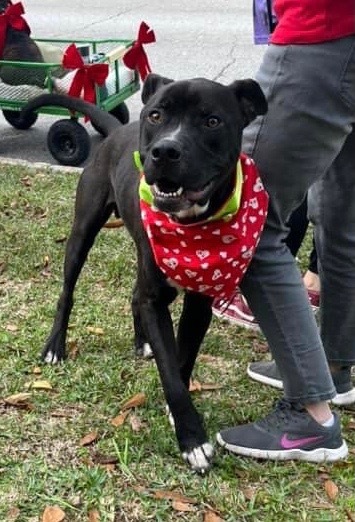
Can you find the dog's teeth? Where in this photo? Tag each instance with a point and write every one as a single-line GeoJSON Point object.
{"type": "Point", "coordinates": [174, 194]}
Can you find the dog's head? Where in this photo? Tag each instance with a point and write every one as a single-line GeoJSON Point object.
{"type": "Point", "coordinates": [190, 140]}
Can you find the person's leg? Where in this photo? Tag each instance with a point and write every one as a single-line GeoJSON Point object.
{"type": "Point", "coordinates": [332, 209]}
{"type": "Point", "coordinates": [293, 144]}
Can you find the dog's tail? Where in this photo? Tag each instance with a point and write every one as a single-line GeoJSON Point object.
{"type": "Point", "coordinates": [102, 120]}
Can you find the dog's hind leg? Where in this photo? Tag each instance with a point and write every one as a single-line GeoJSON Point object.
{"type": "Point", "coordinates": [92, 210]}
{"type": "Point", "coordinates": [194, 322]}
{"type": "Point", "coordinates": [141, 343]}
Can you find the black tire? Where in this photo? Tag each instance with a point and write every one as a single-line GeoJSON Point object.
{"type": "Point", "coordinates": [68, 142]}
{"type": "Point", "coordinates": [120, 112]}
{"type": "Point", "coordinates": [18, 121]}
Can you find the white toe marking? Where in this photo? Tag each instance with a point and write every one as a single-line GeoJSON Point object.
{"type": "Point", "coordinates": [147, 351]}
{"type": "Point", "coordinates": [199, 458]}
{"type": "Point", "coordinates": [170, 416]}
{"type": "Point", "coordinates": [51, 358]}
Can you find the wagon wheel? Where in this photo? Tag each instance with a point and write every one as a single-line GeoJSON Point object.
{"type": "Point", "coordinates": [68, 142]}
{"type": "Point", "coordinates": [120, 112]}
{"type": "Point", "coordinates": [16, 119]}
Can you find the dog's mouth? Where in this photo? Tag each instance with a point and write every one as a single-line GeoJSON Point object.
{"type": "Point", "coordinates": [174, 199]}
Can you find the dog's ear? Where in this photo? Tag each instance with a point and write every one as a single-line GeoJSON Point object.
{"type": "Point", "coordinates": [251, 98]}
{"type": "Point", "coordinates": [152, 83]}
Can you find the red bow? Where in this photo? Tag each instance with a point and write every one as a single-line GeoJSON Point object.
{"type": "Point", "coordinates": [135, 57]}
{"type": "Point", "coordinates": [11, 17]}
{"type": "Point", "coordinates": [87, 75]}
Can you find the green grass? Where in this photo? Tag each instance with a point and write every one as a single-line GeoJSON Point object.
{"type": "Point", "coordinates": [41, 460]}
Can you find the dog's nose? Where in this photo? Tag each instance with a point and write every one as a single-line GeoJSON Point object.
{"type": "Point", "coordinates": [166, 151]}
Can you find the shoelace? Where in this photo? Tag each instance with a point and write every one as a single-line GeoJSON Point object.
{"type": "Point", "coordinates": [283, 412]}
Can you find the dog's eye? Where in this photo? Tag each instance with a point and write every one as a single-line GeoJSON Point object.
{"type": "Point", "coordinates": [155, 117]}
{"type": "Point", "coordinates": [213, 121]}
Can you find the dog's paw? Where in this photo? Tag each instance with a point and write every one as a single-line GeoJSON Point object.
{"type": "Point", "coordinates": [144, 351]}
{"type": "Point", "coordinates": [51, 358]}
{"type": "Point", "coordinates": [200, 458]}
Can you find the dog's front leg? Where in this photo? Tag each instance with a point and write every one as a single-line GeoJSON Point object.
{"type": "Point", "coordinates": [193, 325]}
{"type": "Point", "coordinates": [190, 432]}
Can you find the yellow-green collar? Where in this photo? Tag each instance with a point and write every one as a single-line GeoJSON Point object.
{"type": "Point", "coordinates": [230, 207]}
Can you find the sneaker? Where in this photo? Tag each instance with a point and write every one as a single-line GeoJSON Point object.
{"type": "Point", "coordinates": [267, 372]}
{"type": "Point", "coordinates": [289, 432]}
{"type": "Point", "coordinates": [313, 297]}
{"type": "Point", "coordinates": [345, 391]}
{"type": "Point", "coordinates": [236, 311]}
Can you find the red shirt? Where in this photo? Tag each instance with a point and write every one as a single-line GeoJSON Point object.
{"type": "Point", "coordinates": [313, 21]}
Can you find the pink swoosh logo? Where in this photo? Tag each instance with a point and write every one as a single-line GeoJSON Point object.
{"type": "Point", "coordinates": [287, 443]}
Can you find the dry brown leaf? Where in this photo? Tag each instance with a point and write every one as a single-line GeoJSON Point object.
{"type": "Point", "coordinates": [53, 514]}
{"type": "Point", "coordinates": [138, 400]}
{"type": "Point", "coordinates": [173, 495]}
{"type": "Point", "coordinates": [260, 347]}
{"type": "Point", "coordinates": [136, 423]}
{"type": "Point", "coordinates": [211, 516]}
{"type": "Point", "coordinates": [331, 489]}
{"type": "Point", "coordinates": [26, 181]}
{"type": "Point", "coordinates": [13, 513]}
{"type": "Point", "coordinates": [195, 386]}
{"type": "Point", "coordinates": [73, 349]}
{"type": "Point", "coordinates": [119, 420]}
{"type": "Point", "coordinates": [322, 505]}
{"type": "Point", "coordinates": [351, 516]}
{"type": "Point", "coordinates": [37, 370]}
{"type": "Point", "coordinates": [114, 223]}
{"type": "Point", "coordinates": [210, 386]}
{"type": "Point", "coordinates": [94, 516]}
{"type": "Point", "coordinates": [89, 438]}
{"type": "Point", "coordinates": [351, 425]}
{"type": "Point", "coordinates": [11, 327]}
{"type": "Point", "coordinates": [182, 506]}
{"type": "Point", "coordinates": [95, 330]}
{"type": "Point", "coordinates": [249, 492]}
{"type": "Point", "coordinates": [100, 458]}
{"type": "Point", "coordinates": [108, 467]}
{"type": "Point", "coordinates": [41, 385]}
{"type": "Point", "coordinates": [60, 239]}
{"type": "Point", "coordinates": [20, 400]}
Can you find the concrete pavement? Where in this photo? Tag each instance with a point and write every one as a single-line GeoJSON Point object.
{"type": "Point", "coordinates": [210, 38]}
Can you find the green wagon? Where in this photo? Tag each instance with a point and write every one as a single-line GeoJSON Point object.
{"type": "Point", "coordinates": [67, 139]}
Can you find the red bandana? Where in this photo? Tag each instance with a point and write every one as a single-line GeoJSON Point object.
{"type": "Point", "coordinates": [12, 17]}
{"type": "Point", "coordinates": [212, 256]}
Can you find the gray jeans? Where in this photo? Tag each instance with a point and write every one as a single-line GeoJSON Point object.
{"type": "Point", "coordinates": [307, 136]}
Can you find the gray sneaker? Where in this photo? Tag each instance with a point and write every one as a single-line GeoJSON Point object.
{"type": "Point", "coordinates": [265, 372]}
{"type": "Point", "coordinates": [268, 373]}
{"type": "Point", "coordinates": [289, 432]}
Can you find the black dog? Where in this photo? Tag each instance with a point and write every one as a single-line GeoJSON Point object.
{"type": "Point", "coordinates": [19, 46]}
{"type": "Point", "coordinates": [189, 140]}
